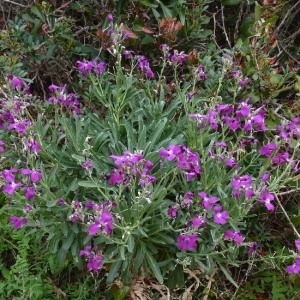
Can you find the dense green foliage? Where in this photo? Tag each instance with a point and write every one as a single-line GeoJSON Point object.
{"type": "Point", "coordinates": [150, 149]}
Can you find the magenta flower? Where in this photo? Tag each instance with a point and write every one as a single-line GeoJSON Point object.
{"type": "Point", "coordinates": [266, 197]}
{"type": "Point", "coordinates": [268, 149]}
{"type": "Point", "coordinates": [187, 199]}
{"type": "Point", "coordinates": [52, 88]}
{"type": "Point", "coordinates": [200, 73]}
{"type": "Point", "coordinates": [281, 158]}
{"type": "Point", "coordinates": [243, 181]}
{"type": "Point", "coordinates": [105, 223]}
{"type": "Point", "coordinates": [94, 260]}
{"type": "Point", "coordinates": [1, 148]}
{"type": "Point", "coordinates": [170, 153]}
{"type": "Point", "coordinates": [178, 58]}
{"type": "Point", "coordinates": [116, 176]}
{"type": "Point", "coordinates": [265, 176]}
{"type": "Point", "coordinates": [297, 243]}
{"type": "Point", "coordinates": [220, 216]}
{"type": "Point", "coordinates": [10, 188]}
{"type": "Point", "coordinates": [295, 268]}
{"type": "Point", "coordinates": [35, 174]}
{"type": "Point", "coordinates": [207, 201]}
{"type": "Point", "coordinates": [128, 54]}
{"type": "Point", "coordinates": [17, 222]}
{"type": "Point", "coordinates": [16, 82]}
{"type": "Point", "coordinates": [187, 241]}
{"type": "Point", "coordinates": [35, 146]}
{"type": "Point", "coordinates": [8, 174]}
{"type": "Point", "coordinates": [60, 201]}
{"type": "Point", "coordinates": [27, 208]}
{"type": "Point", "coordinates": [172, 211]}
{"type": "Point", "coordinates": [109, 18]}
{"type": "Point", "coordinates": [84, 67]}
{"type": "Point", "coordinates": [29, 192]}
{"type": "Point", "coordinates": [198, 221]}
{"type": "Point", "coordinates": [87, 165]}
{"type": "Point", "coordinates": [236, 236]}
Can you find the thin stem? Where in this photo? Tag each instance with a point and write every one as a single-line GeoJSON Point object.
{"type": "Point", "coordinates": [288, 218]}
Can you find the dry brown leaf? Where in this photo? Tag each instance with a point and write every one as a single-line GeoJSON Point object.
{"type": "Point", "coordinates": [129, 33]}
{"type": "Point", "coordinates": [170, 25]}
{"type": "Point", "coordinates": [146, 29]}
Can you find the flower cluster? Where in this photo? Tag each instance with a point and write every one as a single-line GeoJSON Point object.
{"type": "Point", "coordinates": [131, 166]}
{"type": "Point", "coordinates": [62, 98]}
{"type": "Point", "coordinates": [94, 260]}
{"type": "Point", "coordinates": [11, 186]}
{"type": "Point", "coordinates": [295, 267]}
{"type": "Point", "coordinates": [144, 66]}
{"type": "Point", "coordinates": [244, 117]}
{"type": "Point", "coordinates": [187, 161]}
{"type": "Point", "coordinates": [96, 216]}
{"type": "Point", "coordinates": [96, 66]}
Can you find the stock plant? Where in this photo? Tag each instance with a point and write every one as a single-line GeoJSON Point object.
{"type": "Point", "coordinates": [138, 177]}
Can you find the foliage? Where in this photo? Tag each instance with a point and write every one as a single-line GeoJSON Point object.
{"type": "Point", "coordinates": [147, 166]}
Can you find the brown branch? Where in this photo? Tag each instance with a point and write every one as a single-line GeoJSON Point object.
{"type": "Point", "coordinates": [288, 218]}
{"type": "Point", "coordinates": [15, 3]}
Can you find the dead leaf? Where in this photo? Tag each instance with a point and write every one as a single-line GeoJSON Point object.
{"type": "Point", "coordinates": [145, 29]}
{"type": "Point", "coordinates": [170, 25]}
{"type": "Point", "coordinates": [128, 32]}
{"type": "Point", "coordinates": [64, 5]}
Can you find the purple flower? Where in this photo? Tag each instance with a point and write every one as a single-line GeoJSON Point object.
{"type": "Point", "coordinates": [144, 65]}
{"type": "Point", "coordinates": [94, 261]}
{"type": "Point", "coordinates": [60, 201]}
{"type": "Point", "coordinates": [52, 88]}
{"type": "Point", "coordinates": [109, 18]}
{"type": "Point", "coordinates": [297, 244]}
{"type": "Point", "coordinates": [187, 241]}
{"type": "Point", "coordinates": [200, 73]}
{"type": "Point", "coordinates": [198, 221]}
{"type": "Point", "coordinates": [221, 217]}
{"type": "Point", "coordinates": [87, 165]}
{"type": "Point", "coordinates": [35, 146]}
{"type": "Point", "coordinates": [253, 246]}
{"type": "Point", "coordinates": [281, 158]}
{"type": "Point", "coordinates": [266, 197]}
{"type": "Point", "coordinates": [8, 176]}
{"type": "Point", "coordinates": [178, 58]}
{"type": "Point", "coordinates": [242, 181]}
{"type": "Point", "coordinates": [231, 162]}
{"type": "Point", "coordinates": [295, 268]}
{"type": "Point", "coordinates": [172, 211]}
{"type": "Point", "coordinates": [236, 236]}
{"type": "Point", "coordinates": [11, 187]}
{"type": "Point", "coordinates": [170, 153]}
{"type": "Point", "coordinates": [84, 67]}
{"type": "Point", "coordinates": [16, 82]}
{"type": "Point", "coordinates": [105, 223]}
{"type": "Point", "coordinates": [116, 176]}
{"type": "Point", "coordinates": [17, 222]}
{"type": "Point", "coordinates": [128, 54]}
{"type": "Point", "coordinates": [187, 199]}
{"type": "Point", "coordinates": [249, 193]}
{"type": "Point", "coordinates": [99, 67]}
{"type": "Point", "coordinates": [268, 149]}
{"type": "Point", "coordinates": [27, 208]}
{"type": "Point", "coordinates": [35, 174]}
{"type": "Point", "coordinates": [265, 176]}
{"type": "Point", "coordinates": [207, 201]}
{"type": "Point", "coordinates": [1, 148]}
{"type": "Point", "coordinates": [29, 192]}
